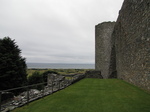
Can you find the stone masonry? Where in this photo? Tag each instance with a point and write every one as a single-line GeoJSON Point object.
{"type": "Point", "coordinates": [103, 47]}
{"type": "Point", "coordinates": [127, 51]}
{"type": "Point", "coordinates": [132, 42]}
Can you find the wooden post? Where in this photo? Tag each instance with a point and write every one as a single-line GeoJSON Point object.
{"type": "Point", "coordinates": [43, 90]}
{"type": "Point", "coordinates": [28, 95]}
{"type": "Point", "coordinates": [59, 84]}
{"type": "Point", "coordinates": [52, 86]}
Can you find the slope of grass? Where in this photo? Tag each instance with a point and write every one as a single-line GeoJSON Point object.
{"type": "Point", "coordinates": [93, 95]}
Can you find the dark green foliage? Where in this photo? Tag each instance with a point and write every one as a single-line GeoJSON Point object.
{"type": "Point", "coordinates": [12, 65]}
{"type": "Point", "coordinates": [36, 78]}
{"type": "Point", "coordinates": [6, 95]}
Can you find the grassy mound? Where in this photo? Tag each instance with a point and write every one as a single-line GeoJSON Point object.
{"type": "Point", "coordinates": [93, 95]}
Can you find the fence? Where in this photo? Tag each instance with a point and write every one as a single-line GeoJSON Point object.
{"type": "Point", "coordinates": [32, 94]}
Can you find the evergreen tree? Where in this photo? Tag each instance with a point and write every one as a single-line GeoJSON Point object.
{"type": "Point", "coordinates": [12, 65]}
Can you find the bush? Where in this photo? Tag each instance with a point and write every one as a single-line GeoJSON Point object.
{"type": "Point", "coordinates": [36, 78]}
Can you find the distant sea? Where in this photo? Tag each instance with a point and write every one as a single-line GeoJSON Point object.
{"type": "Point", "coordinates": [60, 66]}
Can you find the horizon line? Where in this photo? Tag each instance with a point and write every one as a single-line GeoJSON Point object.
{"type": "Point", "coordinates": [58, 63]}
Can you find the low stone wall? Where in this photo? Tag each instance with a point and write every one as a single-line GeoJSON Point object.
{"type": "Point", "coordinates": [54, 83]}
{"type": "Point", "coordinates": [78, 77]}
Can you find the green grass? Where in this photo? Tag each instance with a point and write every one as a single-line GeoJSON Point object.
{"type": "Point", "coordinates": [93, 95]}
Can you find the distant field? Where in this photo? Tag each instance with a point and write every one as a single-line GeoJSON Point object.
{"type": "Point", "coordinates": [60, 71]}
{"type": "Point", "coordinates": [93, 95]}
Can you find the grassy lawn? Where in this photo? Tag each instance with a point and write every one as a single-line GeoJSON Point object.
{"type": "Point", "coordinates": [93, 95]}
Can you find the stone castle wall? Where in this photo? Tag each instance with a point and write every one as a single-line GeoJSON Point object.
{"type": "Point", "coordinates": [127, 51]}
{"type": "Point", "coordinates": [103, 47]}
{"type": "Point", "coordinates": [132, 42]}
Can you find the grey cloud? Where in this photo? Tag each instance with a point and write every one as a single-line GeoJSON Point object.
{"type": "Point", "coordinates": [56, 31]}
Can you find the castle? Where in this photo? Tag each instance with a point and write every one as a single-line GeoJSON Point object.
{"type": "Point", "coordinates": [122, 48]}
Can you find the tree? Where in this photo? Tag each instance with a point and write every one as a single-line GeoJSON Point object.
{"type": "Point", "coordinates": [12, 65]}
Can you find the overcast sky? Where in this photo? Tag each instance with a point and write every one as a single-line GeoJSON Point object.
{"type": "Point", "coordinates": [56, 31]}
